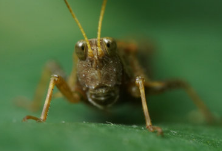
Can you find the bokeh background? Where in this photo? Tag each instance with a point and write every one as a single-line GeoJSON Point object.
{"type": "Point", "coordinates": [187, 34]}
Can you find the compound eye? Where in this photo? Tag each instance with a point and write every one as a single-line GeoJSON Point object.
{"type": "Point", "coordinates": [80, 49]}
{"type": "Point", "coordinates": [110, 45]}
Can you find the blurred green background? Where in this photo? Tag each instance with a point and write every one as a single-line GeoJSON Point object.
{"type": "Point", "coordinates": [188, 36]}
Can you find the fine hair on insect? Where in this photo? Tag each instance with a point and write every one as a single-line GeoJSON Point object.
{"type": "Point", "coordinates": [105, 71]}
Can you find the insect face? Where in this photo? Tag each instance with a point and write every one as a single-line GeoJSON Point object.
{"type": "Point", "coordinates": [99, 73]}
{"type": "Point", "coordinates": [100, 76]}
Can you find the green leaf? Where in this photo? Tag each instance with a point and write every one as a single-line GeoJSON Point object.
{"type": "Point", "coordinates": [92, 136]}
{"type": "Point", "coordinates": [187, 35]}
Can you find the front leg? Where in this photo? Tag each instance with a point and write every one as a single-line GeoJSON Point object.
{"type": "Point", "coordinates": [63, 88]}
{"type": "Point", "coordinates": [149, 126]}
{"type": "Point", "coordinates": [50, 68]}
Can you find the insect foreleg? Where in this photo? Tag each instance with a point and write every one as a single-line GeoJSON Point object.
{"type": "Point", "coordinates": [140, 84]}
{"type": "Point", "coordinates": [50, 68]}
{"type": "Point", "coordinates": [63, 87]}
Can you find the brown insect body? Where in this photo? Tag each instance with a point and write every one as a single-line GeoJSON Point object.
{"type": "Point", "coordinates": [105, 70]}
{"type": "Point", "coordinates": [100, 77]}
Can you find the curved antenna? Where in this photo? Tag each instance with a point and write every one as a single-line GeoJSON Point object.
{"type": "Point", "coordinates": [90, 52]}
{"type": "Point", "coordinates": [100, 52]}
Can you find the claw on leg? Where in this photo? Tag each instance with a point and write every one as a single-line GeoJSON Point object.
{"type": "Point", "coordinates": [63, 87]}
{"type": "Point", "coordinates": [155, 128]}
{"type": "Point", "coordinates": [140, 84]}
{"type": "Point", "coordinates": [31, 117]}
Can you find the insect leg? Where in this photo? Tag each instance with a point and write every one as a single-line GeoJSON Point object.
{"type": "Point", "coordinates": [63, 87]}
{"type": "Point", "coordinates": [157, 87]}
{"type": "Point", "coordinates": [140, 84]}
{"type": "Point", "coordinates": [50, 68]}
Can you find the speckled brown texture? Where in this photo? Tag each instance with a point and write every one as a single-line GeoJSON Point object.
{"type": "Point", "coordinates": [100, 77]}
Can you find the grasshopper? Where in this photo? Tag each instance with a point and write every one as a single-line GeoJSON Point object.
{"type": "Point", "coordinates": [105, 71]}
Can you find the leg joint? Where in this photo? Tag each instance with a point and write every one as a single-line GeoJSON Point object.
{"type": "Point", "coordinates": [56, 78]}
{"type": "Point", "coordinates": [139, 79]}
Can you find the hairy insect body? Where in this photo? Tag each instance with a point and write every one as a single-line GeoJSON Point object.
{"type": "Point", "coordinates": [103, 74]}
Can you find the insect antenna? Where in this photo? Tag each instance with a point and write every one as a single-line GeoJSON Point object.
{"type": "Point", "coordinates": [90, 52]}
{"type": "Point", "coordinates": [100, 52]}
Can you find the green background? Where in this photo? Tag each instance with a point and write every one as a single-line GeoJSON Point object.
{"type": "Point", "coordinates": [188, 36]}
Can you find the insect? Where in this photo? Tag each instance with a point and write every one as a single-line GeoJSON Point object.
{"type": "Point", "coordinates": [104, 71]}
